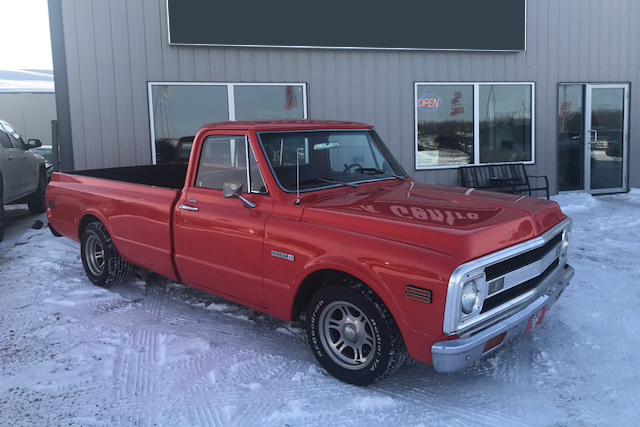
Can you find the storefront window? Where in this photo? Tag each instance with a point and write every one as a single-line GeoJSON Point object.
{"type": "Point", "coordinates": [473, 123]}
{"type": "Point", "coordinates": [179, 110]}
{"type": "Point", "coordinates": [445, 125]}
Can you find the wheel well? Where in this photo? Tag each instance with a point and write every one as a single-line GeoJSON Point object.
{"type": "Point", "coordinates": [312, 283]}
{"type": "Point", "coordinates": [86, 220]}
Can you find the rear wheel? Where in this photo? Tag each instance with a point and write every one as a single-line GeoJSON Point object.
{"type": "Point", "coordinates": [100, 259]}
{"type": "Point", "coordinates": [37, 201]}
{"type": "Point", "coordinates": [353, 335]}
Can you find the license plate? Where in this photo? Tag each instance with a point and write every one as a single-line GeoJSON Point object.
{"type": "Point", "coordinates": [535, 320]}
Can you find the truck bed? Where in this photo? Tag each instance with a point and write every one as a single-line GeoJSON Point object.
{"type": "Point", "coordinates": [171, 175]}
{"type": "Point", "coordinates": [134, 203]}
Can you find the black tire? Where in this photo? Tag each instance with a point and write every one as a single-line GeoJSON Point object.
{"type": "Point", "coordinates": [112, 269]}
{"type": "Point", "coordinates": [1, 208]}
{"type": "Point", "coordinates": [38, 200]}
{"type": "Point", "coordinates": [376, 341]}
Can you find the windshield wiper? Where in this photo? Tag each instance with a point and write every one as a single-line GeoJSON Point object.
{"type": "Point", "coordinates": [346, 184]}
{"type": "Point", "coordinates": [362, 170]}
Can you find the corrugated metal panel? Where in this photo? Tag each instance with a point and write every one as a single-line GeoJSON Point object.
{"type": "Point", "coordinates": [29, 113]}
{"type": "Point", "coordinates": [114, 48]}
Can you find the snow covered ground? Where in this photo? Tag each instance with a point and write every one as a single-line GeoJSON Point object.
{"type": "Point", "coordinates": [72, 354]}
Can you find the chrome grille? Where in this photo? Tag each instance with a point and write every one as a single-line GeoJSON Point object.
{"type": "Point", "coordinates": [515, 275]}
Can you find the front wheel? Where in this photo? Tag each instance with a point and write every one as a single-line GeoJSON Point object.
{"type": "Point", "coordinates": [38, 201]}
{"type": "Point", "coordinates": [100, 259]}
{"type": "Point", "coordinates": [353, 335]}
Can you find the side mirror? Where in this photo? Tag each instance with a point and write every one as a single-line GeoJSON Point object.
{"type": "Point", "coordinates": [34, 143]}
{"type": "Point", "coordinates": [234, 190]}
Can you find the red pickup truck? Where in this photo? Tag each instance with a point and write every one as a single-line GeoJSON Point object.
{"type": "Point", "coordinates": [316, 220]}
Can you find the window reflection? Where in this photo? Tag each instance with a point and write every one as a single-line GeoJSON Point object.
{"type": "Point", "coordinates": [259, 102]}
{"type": "Point", "coordinates": [505, 123]}
{"type": "Point", "coordinates": [179, 111]}
{"type": "Point", "coordinates": [571, 138]}
{"type": "Point", "coordinates": [445, 125]}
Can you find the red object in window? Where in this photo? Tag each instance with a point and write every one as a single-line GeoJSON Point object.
{"type": "Point", "coordinates": [292, 100]}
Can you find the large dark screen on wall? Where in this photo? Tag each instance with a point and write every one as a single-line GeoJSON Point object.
{"type": "Point", "coordinates": [391, 24]}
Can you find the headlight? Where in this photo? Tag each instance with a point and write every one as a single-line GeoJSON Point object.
{"type": "Point", "coordinates": [566, 241]}
{"type": "Point", "coordinates": [470, 297]}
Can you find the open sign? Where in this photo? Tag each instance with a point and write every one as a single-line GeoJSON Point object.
{"type": "Point", "coordinates": [429, 102]}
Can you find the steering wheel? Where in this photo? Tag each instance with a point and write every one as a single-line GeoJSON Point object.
{"type": "Point", "coordinates": [347, 168]}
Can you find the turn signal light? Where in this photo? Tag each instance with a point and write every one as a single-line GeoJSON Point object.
{"type": "Point", "coordinates": [494, 342]}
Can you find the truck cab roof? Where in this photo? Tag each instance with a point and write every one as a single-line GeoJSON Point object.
{"type": "Point", "coordinates": [285, 125]}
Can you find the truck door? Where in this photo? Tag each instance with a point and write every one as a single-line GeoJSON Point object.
{"type": "Point", "coordinates": [9, 166]}
{"type": "Point", "coordinates": [24, 161]}
{"type": "Point", "coordinates": [218, 241]}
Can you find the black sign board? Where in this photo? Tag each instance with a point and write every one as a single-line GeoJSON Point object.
{"type": "Point", "coordinates": [490, 25]}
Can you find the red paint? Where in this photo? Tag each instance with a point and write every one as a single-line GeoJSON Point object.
{"type": "Point", "coordinates": [389, 234]}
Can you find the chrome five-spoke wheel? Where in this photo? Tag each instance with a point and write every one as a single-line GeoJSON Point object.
{"type": "Point", "coordinates": [353, 334]}
{"type": "Point", "coordinates": [347, 335]}
{"type": "Point", "coordinates": [94, 254]}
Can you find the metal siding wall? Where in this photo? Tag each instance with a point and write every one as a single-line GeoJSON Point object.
{"type": "Point", "coordinates": [114, 48]}
{"type": "Point", "coordinates": [29, 113]}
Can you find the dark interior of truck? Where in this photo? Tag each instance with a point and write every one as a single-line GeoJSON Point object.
{"type": "Point", "coordinates": [169, 175]}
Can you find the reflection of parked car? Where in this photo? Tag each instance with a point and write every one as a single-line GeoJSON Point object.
{"type": "Point", "coordinates": [613, 149]}
{"type": "Point", "coordinates": [183, 150]}
{"type": "Point", "coordinates": [46, 151]}
{"type": "Point", "coordinates": [447, 141]}
{"type": "Point", "coordinates": [23, 176]}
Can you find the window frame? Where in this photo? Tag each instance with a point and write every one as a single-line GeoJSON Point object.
{"type": "Point", "coordinates": [476, 122]}
{"type": "Point", "coordinates": [6, 126]}
{"type": "Point", "coordinates": [2, 147]}
{"type": "Point", "coordinates": [374, 135]}
{"type": "Point", "coordinates": [231, 109]}
{"type": "Point", "coordinates": [248, 152]}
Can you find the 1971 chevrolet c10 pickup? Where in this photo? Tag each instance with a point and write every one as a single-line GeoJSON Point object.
{"type": "Point", "coordinates": [317, 220]}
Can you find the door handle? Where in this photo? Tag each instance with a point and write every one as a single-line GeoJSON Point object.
{"type": "Point", "coordinates": [10, 158]}
{"type": "Point", "coordinates": [593, 133]}
{"type": "Point", "coordinates": [188, 208]}
{"type": "Point", "coordinates": [24, 157]}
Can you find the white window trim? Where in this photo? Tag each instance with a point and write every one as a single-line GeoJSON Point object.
{"type": "Point", "coordinates": [231, 108]}
{"type": "Point", "coordinates": [476, 122]}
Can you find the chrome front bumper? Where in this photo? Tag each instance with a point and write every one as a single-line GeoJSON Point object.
{"type": "Point", "coordinates": [452, 356]}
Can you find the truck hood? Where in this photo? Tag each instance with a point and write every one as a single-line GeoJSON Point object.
{"type": "Point", "coordinates": [464, 223]}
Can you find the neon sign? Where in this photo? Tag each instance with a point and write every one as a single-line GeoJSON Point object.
{"type": "Point", "coordinates": [429, 102]}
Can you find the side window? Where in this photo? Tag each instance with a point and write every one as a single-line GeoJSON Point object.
{"type": "Point", "coordinates": [257, 182]}
{"type": "Point", "coordinates": [16, 139]}
{"type": "Point", "coordinates": [223, 159]}
{"type": "Point", "coordinates": [4, 139]}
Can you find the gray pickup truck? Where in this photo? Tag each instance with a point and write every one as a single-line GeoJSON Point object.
{"type": "Point", "coordinates": [23, 174]}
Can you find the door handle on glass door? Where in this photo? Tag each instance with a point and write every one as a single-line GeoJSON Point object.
{"type": "Point", "coordinates": [593, 133]}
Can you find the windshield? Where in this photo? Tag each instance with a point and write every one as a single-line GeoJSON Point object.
{"type": "Point", "coordinates": [328, 158]}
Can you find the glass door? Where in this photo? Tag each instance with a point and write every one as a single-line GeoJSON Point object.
{"type": "Point", "coordinates": [606, 138]}
{"type": "Point", "coordinates": [593, 137]}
